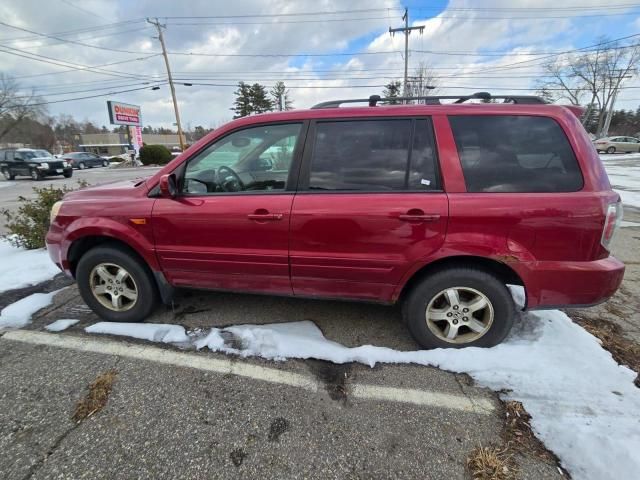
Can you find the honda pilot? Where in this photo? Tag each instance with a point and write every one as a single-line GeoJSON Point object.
{"type": "Point", "coordinates": [437, 206]}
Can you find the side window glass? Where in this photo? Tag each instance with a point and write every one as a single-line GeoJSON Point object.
{"type": "Point", "coordinates": [253, 159]}
{"type": "Point", "coordinates": [366, 155]}
{"type": "Point", "coordinates": [515, 153]}
{"type": "Point", "coordinates": [423, 174]}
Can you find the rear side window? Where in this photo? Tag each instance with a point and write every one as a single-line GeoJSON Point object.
{"type": "Point", "coordinates": [512, 153]}
{"type": "Point", "coordinates": [373, 155]}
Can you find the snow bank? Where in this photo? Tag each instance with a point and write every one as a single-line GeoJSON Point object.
{"type": "Point", "coordinates": [153, 332]}
{"type": "Point", "coordinates": [22, 268]}
{"type": "Point", "coordinates": [19, 314]}
{"type": "Point", "coordinates": [60, 325]}
{"type": "Point", "coordinates": [584, 406]}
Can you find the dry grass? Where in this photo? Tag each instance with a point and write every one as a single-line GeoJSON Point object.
{"type": "Point", "coordinates": [97, 397]}
{"type": "Point", "coordinates": [491, 463]}
{"type": "Point", "coordinates": [518, 435]}
{"type": "Point", "coordinates": [623, 350]}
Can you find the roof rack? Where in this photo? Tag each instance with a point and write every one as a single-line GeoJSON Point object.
{"type": "Point", "coordinates": [435, 99]}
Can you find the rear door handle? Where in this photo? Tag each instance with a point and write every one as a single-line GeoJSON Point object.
{"type": "Point", "coordinates": [265, 217]}
{"type": "Point", "coordinates": [419, 218]}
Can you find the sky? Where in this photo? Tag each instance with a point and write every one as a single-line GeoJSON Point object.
{"type": "Point", "coordinates": [321, 49]}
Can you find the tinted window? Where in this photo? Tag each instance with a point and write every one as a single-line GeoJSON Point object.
{"type": "Point", "coordinates": [515, 154]}
{"type": "Point", "coordinates": [423, 174]}
{"type": "Point", "coordinates": [253, 159]}
{"type": "Point", "coordinates": [360, 155]}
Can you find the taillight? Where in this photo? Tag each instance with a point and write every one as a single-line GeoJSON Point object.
{"type": "Point", "coordinates": [611, 223]}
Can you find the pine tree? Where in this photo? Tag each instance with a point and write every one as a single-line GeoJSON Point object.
{"type": "Point", "coordinates": [280, 97]}
{"type": "Point", "coordinates": [242, 106]}
{"type": "Point", "coordinates": [260, 101]}
{"type": "Point", "coordinates": [392, 90]}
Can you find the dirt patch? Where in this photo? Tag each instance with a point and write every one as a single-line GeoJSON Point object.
{"type": "Point", "coordinates": [97, 397]}
{"type": "Point", "coordinates": [237, 456]}
{"type": "Point", "coordinates": [492, 463]}
{"type": "Point", "coordinates": [333, 375]}
{"type": "Point", "coordinates": [277, 428]}
{"type": "Point", "coordinates": [623, 350]}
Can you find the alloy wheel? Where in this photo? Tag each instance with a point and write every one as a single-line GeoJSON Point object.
{"type": "Point", "coordinates": [459, 315]}
{"type": "Point", "coordinates": [113, 287]}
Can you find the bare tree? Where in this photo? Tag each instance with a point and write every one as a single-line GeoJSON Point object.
{"type": "Point", "coordinates": [421, 82]}
{"type": "Point", "coordinates": [15, 107]}
{"type": "Point", "coordinates": [593, 76]}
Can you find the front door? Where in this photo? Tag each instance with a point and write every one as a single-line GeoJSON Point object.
{"type": "Point", "coordinates": [229, 226]}
{"type": "Point", "coordinates": [370, 206]}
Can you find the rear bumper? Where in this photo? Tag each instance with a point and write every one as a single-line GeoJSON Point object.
{"type": "Point", "coordinates": [560, 284]}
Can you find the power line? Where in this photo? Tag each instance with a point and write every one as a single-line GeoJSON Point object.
{"type": "Point", "coordinates": [77, 30]}
{"type": "Point", "coordinates": [87, 90]}
{"type": "Point", "coordinates": [67, 2]}
{"type": "Point", "coordinates": [71, 41]}
{"type": "Point", "coordinates": [63, 63]}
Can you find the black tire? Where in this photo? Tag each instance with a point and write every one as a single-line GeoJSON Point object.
{"type": "Point", "coordinates": [137, 269]}
{"type": "Point", "coordinates": [611, 150]}
{"type": "Point", "coordinates": [68, 174]}
{"type": "Point", "coordinates": [7, 174]}
{"type": "Point", "coordinates": [35, 174]}
{"type": "Point", "coordinates": [418, 299]}
{"type": "Point", "coordinates": [105, 163]}
{"type": "Point", "coordinates": [81, 166]}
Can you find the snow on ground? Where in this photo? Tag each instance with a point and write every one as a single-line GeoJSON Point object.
{"type": "Point", "coordinates": [626, 224]}
{"type": "Point", "coordinates": [60, 325]}
{"type": "Point", "coordinates": [21, 268]}
{"type": "Point", "coordinates": [624, 178]}
{"type": "Point", "coordinates": [584, 405]}
{"type": "Point", "coordinates": [6, 184]}
{"type": "Point", "coordinates": [18, 314]}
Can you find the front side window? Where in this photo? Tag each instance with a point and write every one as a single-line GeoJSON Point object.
{"type": "Point", "coordinates": [254, 159]}
{"type": "Point", "coordinates": [515, 153]}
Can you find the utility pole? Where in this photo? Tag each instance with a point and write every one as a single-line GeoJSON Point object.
{"type": "Point", "coordinates": [406, 30]}
{"type": "Point", "coordinates": [607, 122]}
{"type": "Point", "coordinates": [173, 89]}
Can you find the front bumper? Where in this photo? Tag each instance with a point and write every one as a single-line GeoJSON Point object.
{"type": "Point", "coordinates": [56, 171]}
{"type": "Point", "coordinates": [563, 284]}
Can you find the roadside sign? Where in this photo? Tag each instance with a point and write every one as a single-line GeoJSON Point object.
{"type": "Point", "coordinates": [124, 114]}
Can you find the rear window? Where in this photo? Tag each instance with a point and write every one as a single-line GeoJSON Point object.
{"type": "Point", "coordinates": [515, 153]}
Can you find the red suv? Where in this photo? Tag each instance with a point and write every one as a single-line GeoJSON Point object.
{"type": "Point", "coordinates": [437, 206]}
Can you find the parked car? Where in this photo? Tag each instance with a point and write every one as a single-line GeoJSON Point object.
{"type": "Point", "coordinates": [33, 163]}
{"type": "Point", "coordinates": [82, 160]}
{"type": "Point", "coordinates": [436, 207]}
{"type": "Point", "coordinates": [617, 144]}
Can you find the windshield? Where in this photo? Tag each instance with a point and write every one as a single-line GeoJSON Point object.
{"type": "Point", "coordinates": [42, 153]}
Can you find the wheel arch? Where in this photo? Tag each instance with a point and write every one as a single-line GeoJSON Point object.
{"type": "Point", "coordinates": [500, 269]}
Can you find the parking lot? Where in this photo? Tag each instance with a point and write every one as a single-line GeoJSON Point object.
{"type": "Point", "coordinates": [180, 413]}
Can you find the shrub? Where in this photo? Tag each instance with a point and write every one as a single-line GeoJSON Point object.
{"type": "Point", "coordinates": [158, 154]}
{"type": "Point", "coordinates": [28, 226]}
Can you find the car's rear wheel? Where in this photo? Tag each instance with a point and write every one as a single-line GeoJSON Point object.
{"type": "Point", "coordinates": [7, 174]}
{"type": "Point", "coordinates": [82, 166]}
{"type": "Point", "coordinates": [459, 307]}
{"type": "Point", "coordinates": [116, 284]}
{"type": "Point", "coordinates": [611, 150]}
{"type": "Point", "coordinates": [105, 163]}
{"type": "Point", "coordinates": [35, 174]}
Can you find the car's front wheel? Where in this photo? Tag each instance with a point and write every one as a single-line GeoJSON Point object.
{"type": "Point", "coordinates": [105, 163]}
{"type": "Point", "coordinates": [116, 284]}
{"type": "Point", "coordinates": [459, 307]}
{"type": "Point", "coordinates": [35, 174]}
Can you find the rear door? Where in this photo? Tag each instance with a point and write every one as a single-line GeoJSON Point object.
{"type": "Point", "coordinates": [369, 206]}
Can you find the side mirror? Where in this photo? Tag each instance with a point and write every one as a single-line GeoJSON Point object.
{"type": "Point", "coordinates": [168, 186]}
